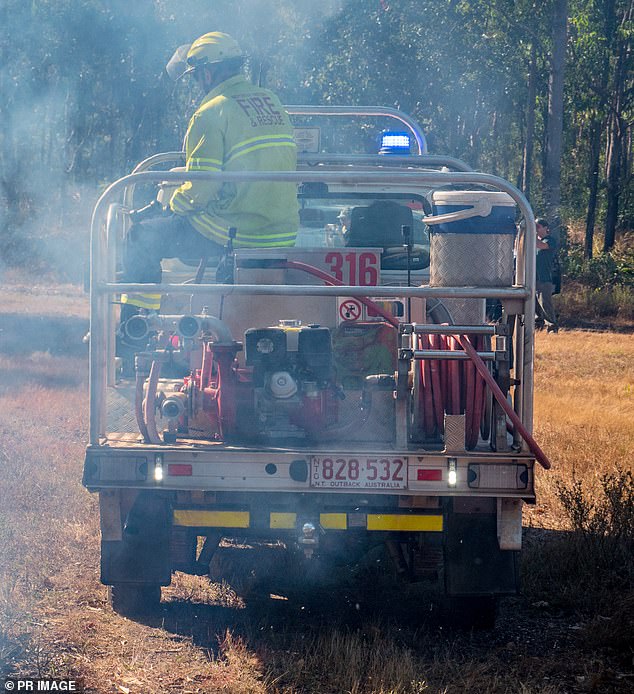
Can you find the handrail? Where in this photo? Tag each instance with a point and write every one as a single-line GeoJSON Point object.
{"type": "Point", "coordinates": [423, 160]}
{"type": "Point", "coordinates": [158, 158]}
{"type": "Point", "coordinates": [308, 158]}
{"type": "Point", "coordinates": [371, 111]}
{"type": "Point", "coordinates": [331, 158]}
{"type": "Point", "coordinates": [102, 286]}
{"type": "Point", "coordinates": [384, 160]}
{"type": "Point", "coordinates": [378, 291]}
{"type": "Point", "coordinates": [146, 165]}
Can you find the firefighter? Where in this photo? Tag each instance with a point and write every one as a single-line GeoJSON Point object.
{"type": "Point", "coordinates": [236, 127]}
{"type": "Point", "coordinates": [544, 285]}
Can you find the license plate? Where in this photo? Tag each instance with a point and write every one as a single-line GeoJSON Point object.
{"type": "Point", "coordinates": [338, 472]}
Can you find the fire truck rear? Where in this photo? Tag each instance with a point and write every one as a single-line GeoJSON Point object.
{"type": "Point", "coordinates": [369, 389]}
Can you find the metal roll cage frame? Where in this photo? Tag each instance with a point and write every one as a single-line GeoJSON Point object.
{"type": "Point", "coordinates": [103, 286]}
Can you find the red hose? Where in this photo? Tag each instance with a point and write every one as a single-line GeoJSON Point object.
{"type": "Point", "coordinates": [428, 398]}
{"type": "Point", "coordinates": [333, 281]}
{"type": "Point", "coordinates": [469, 393]}
{"type": "Point", "coordinates": [541, 457]}
{"type": "Point", "coordinates": [444, 374]}
{"type": "Point", "coordinates": [449, 386]}
{"type": "Point", "coordinates": [478, 403]}
{"type": "Point", "coordinates": [454, 383]}
{"type": "Point", "coordinates": [456, 387]}
{"type": "Point", "coordinates": [439, 405]}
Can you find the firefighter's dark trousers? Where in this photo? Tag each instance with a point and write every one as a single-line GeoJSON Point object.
{"type": "Point", "coordinates": [151, 240]}
{"type": "Point", "coordinates": [161, 237]}
{"type": "Point", "coordinates": [544, 309]}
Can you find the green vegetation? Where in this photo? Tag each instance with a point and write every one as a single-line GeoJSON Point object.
{"type": "Point", "coordinates": [599, 288]}
{"type": "Point", "coordinates": [84, 96]}
{"type": "Point", "coordinates": [590, 569]}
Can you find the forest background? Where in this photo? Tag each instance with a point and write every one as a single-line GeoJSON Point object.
{"type": "Point", "coordinates": [540, 92]}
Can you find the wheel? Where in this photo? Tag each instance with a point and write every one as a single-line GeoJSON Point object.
{"type": "Point", "coordinates": [129, 600]}
{"type": "Point", "coordinates": [473, 611]}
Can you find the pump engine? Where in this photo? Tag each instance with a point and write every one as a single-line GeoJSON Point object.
{"type": "Point", "coordinates": [294, 394]}
{"type": "Point", "coordinates": [286, 390]}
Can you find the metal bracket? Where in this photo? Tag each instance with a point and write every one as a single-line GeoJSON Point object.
{"type": "Point", "coordinates": [110, 514]}
{"type": "Point", "coordinates": [402, 403]}
{"type": "Point", "coordinates": [454, 433]}
{"type": "Point", "coordinates": [509, 523]}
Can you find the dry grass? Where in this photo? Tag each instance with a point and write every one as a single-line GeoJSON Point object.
{"type": "Point", "coordinates": [44, 509]}
{"type": "Point", "coordinates": [54, 618]}
{"type": "Point", "coordinates": [584, 414]}
{"type": "Point", "coordinates": [584, 409]}
{"type": "Point", "coordinates": [39, 296]}
{"type": "Point", "coordinates": [607, 308]}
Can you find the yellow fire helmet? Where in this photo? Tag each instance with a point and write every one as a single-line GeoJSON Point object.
{"type": "Point", "coordinates": [214, 47]}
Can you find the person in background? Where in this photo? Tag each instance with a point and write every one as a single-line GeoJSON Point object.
{"type": "Point", "coordinates": [544, 286]}
{"type": "Point", "coordinates": [236, 127]}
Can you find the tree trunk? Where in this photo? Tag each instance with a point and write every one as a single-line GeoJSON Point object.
{"type": "Point", "coordinates": [527, 165]}
{"type": "Point", "coordinates": [613, 178]}
{"type": "Point", "coordinates": [617, 130]}
{"type": "Point", "coordinates": [552, 172]}
{"type": "Point", "coordinates": [593, 186]}
{"type": "Point", "coordinates": [597, 125]}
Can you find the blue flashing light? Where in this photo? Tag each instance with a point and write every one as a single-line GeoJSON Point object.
{"type": "Point", "coordinates": [395, 142]}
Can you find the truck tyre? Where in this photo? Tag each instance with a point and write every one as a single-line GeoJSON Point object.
{"type": "Point", "coordinates": [474, 611]}
{"type": "Point", "coordinates": [130, 600]}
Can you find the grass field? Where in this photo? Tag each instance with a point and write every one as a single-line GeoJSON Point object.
{"type": "Point", "coordinates": [571, 630]}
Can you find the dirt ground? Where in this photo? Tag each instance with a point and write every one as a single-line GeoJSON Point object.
{"type": "Point", "coordinates": [365, 635]}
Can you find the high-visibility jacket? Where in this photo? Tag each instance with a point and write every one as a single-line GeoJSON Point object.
{"type": "Point", "coordinates": [240, 127]}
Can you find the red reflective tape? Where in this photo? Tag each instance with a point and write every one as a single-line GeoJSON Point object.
{"type": "Point", "coordinates": [179, 470]}
{"type": "Point", "coordinates": [429, 475]}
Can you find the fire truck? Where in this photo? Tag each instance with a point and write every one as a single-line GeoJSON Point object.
{"type": "Point", "coordinates": [370, 387]}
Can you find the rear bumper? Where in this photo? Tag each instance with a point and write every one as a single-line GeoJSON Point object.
{"type": "Point", "coordinates": [235, 469]}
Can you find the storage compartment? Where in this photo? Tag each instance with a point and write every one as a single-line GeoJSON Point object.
{"type": "Point", "coordinates": [476, 251]}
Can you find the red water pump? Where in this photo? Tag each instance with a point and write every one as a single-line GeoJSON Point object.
{"type": "Point", "coordinates": [286, 390]}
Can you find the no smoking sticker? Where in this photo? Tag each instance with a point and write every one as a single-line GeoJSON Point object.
{"type": "Point", "coordinates": [350, 309]}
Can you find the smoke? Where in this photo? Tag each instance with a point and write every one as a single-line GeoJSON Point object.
{"type": "Point", "coordinates": [77, 104]}
{"type": "Point", "coordinates": [41, 207]}
{"type": "Point", "coordinates": [278, 38]}
{"type": "Point", "coordinates": [84, 97]}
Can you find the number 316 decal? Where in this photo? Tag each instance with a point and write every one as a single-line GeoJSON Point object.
{"type": "Point", "coordinates": [354, 269]}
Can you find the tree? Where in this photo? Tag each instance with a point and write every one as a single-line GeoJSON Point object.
{"type": "Point", "coordinates": [599, 98]}
{"type": "Point", "coordinates": [84, 95]}
{"type": "Point", "coordinates": [554, 138]}
{"type": "Point", "coordinates": [529, 144]}
{"type": "Point", "coordinates": [622, 85]}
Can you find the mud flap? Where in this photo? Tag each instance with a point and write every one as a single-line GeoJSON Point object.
{"type": "Point", "coordinates": [142, 555]}
{"type": "Point", "coordinates": [474, 562]}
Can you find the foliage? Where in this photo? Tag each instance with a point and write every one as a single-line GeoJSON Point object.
{"type": "Point", "coordinates": [612, 269]}
{"type": "Point", "coordinates": [84, 96]}
{"type": "Point", "coordinates": [601, 553]}
{"type": "Point", "coordinates": [605, 307]}
{"type": "Point", "coordinates": [603, 524]}
{"type": "Point", "coordinates": [591, 568]}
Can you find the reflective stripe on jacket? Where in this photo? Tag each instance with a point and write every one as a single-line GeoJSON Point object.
{"type": "Point", "coordinates": [150, 301]}
{"type": "Point", "coordinates": [240, 127]}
